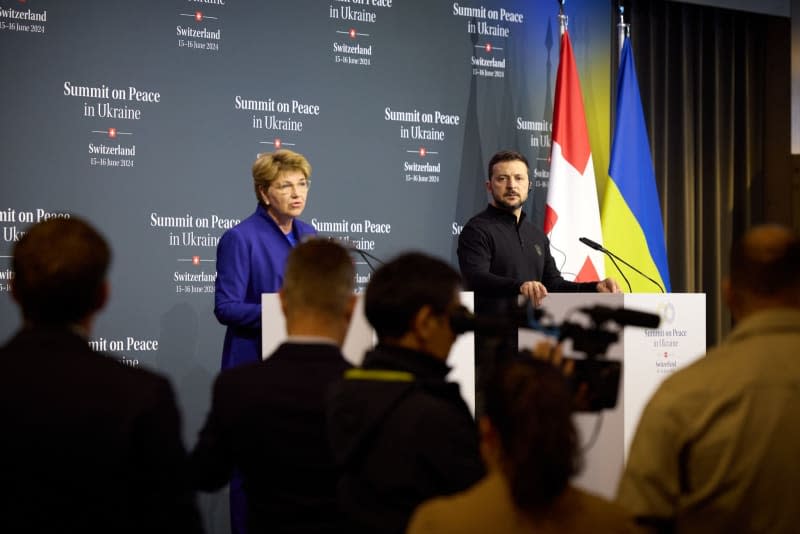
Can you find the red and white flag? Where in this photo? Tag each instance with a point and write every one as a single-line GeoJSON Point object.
{"type": "Point", "coordinates": [572, 210]}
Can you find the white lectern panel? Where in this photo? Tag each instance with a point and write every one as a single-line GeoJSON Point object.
{"type": "Point", "coordinates": [648, 355]}
{"type": "Point", "coordinates": [651, 355]}
{"type": "Point", "coordinates": [361, 337]}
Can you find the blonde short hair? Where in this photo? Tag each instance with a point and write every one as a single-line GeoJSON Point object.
{"type": "Point", "coordinates": [270, 165]}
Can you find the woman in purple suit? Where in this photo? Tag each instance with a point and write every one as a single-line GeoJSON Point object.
{"type": "Point", "coordinates": [251, 258]}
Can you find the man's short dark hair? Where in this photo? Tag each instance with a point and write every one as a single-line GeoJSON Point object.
{"type": "Point", "coordinates": [505, 155]}
{"type": "Point", "coordinates": [400, 288]}
{"type": "Point", "coordinates": [320, 275]}
{"type": "Point", "coordinates": [529, 404]}
{"type": "Point", "coordinates": [59, 269]}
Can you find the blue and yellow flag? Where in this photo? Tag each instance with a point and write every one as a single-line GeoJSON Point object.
{"type": "Point", "coordinates": [631, 212]}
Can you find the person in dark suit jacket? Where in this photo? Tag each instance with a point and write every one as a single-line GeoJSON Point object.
{"type": "Point", "coordinates": [267, 419]}
{"type": "Point", "coordinates": [89, 444]}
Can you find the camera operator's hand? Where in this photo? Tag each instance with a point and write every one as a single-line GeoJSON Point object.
{"type": "Point", "coordinates": [554, 353]}
{"type": "Point", "coordinates": [534, 291]}
{"type": "Point", "coordinates": [609, 285]}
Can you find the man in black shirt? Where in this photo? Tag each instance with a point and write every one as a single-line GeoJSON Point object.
{"type": "Point", "coordinates": [503, 255]}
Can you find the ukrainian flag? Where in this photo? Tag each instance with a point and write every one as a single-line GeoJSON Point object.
{"type": "Point", "coordinates": [631, 212]}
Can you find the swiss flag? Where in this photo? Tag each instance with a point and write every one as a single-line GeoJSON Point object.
{"type": "Point", "coordinates": [572, 210]}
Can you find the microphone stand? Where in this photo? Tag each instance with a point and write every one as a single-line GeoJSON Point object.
{"type": "Point", "coordinates": [612, 256]}
{"type": "Point", "coordinates": [366, 256]}
{"type": "Point", "coordinates": [630, 290]}
{"type": "Point", "coordinates": [597, 246]}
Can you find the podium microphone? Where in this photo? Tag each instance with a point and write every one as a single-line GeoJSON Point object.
{"type": "Point", "coordinates": [366, 256]}
{"type": "Point", "coordinates": [597, 246]}
{"type": "Point", "coordinates": [622, 316]}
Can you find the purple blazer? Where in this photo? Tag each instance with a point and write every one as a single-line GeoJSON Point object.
{"type": "Point", "coordinates": [251, 258]}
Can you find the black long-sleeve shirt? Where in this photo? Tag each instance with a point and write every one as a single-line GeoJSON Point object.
{"type": "Point", "coordinates": [497, 255]}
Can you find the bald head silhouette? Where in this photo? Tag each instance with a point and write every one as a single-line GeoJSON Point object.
{"type": "Point", "coordinates": [764, 271]}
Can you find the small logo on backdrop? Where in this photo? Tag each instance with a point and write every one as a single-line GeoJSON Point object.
{"type": "Point", "coordinates": [111, 133]}
{"type": "Point", "coordinates": [422, 152]}
{"type": "Point", "coordinates": [489, 48]}
{"type": "Point", "coordinates": [199, 16]}
{"type": "Point", "coordinates": [277, 143]}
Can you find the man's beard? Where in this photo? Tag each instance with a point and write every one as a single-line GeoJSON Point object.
{"type": "Point", "coordinates": [508, 203]}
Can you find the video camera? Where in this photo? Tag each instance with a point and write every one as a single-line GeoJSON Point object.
{"type": "Point", "coordinates": [594, 378]}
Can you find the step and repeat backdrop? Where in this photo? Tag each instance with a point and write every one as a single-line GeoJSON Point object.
{"type": "Point", "coordinates": [144, 117]}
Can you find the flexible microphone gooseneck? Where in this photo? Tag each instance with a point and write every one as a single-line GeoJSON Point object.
{"type": "Point", "coordinates": [366, 256]}
{"type": "Point", "coordinates": [597, 246]}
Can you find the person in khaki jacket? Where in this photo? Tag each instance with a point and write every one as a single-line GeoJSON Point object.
{"type": "Point", "coordinates": [716, 449]}
{"type": "Point", "coordinates": [531, 450]}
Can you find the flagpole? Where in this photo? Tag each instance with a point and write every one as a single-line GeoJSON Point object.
{"type": "Point", "coordinates": [623, 30]}
{"type": "Point", "coordinates": [563, 20]}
